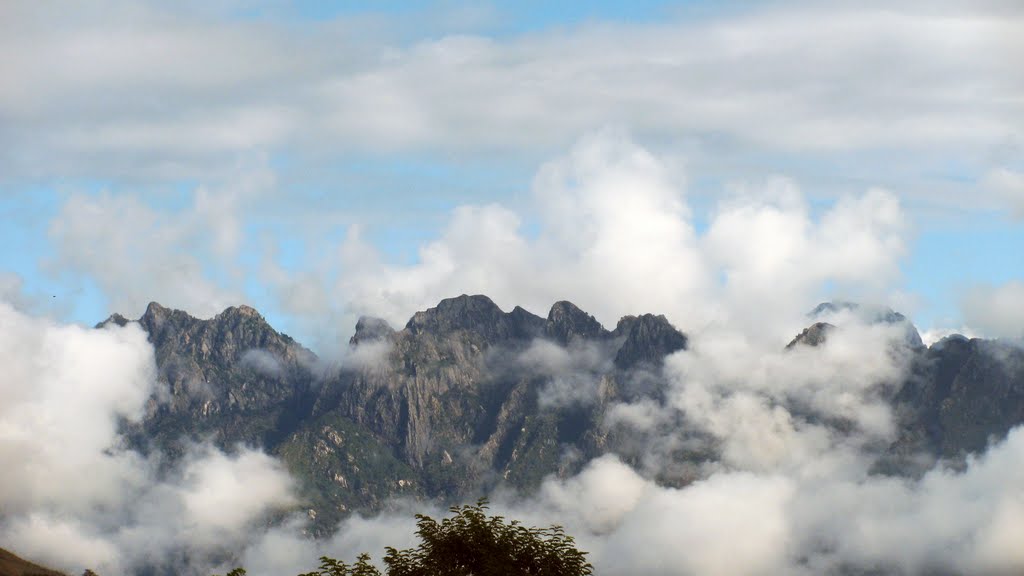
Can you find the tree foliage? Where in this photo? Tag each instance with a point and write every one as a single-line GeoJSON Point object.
{"type": "Point", "coordinates": [332, 567]}
{"type": "Point", "coordinates": [471, 543]}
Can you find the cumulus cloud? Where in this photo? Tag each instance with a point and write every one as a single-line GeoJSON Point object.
{"type": "Point", "coordinates": [223, 495]}
{"type": "Point", "coordinates": [616, 233]}
{"type": "Point", "coordinates": [261, 361]}
{"type": "Point", "coordinates": [931, 336]}
{"type": "Point", "coordinates": [64, 389]}
{"type": "Point", "coordinates": [775, 256]}
{"type": "Point", "coordinates": [70, 481]}
{"type": "Point", "coordinates": [572, 375]}
{"type": "Point", "coordinates": [996, 311]}
{"type": "Point", "coordinates": [745, 523]}
{"type": "Point", "coordinates": [367, 355]}
{"type": "Point", "coordinates": [138, 254]}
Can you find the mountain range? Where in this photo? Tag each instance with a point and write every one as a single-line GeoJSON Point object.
{"type": "Point", "coordinates": [466, 397]}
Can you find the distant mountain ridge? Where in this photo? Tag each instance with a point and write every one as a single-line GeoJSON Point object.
{"type": "Point", "coordinates": [460, 399]}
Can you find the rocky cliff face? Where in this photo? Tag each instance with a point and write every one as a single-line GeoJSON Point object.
{"type": "Point", "coordinates": [962, 395]}
{"type": "Point", "coordinates": [232, 377]}
{"type": "Point", "coordinates": [813, 335]}
{"type": "Point", "coordinates": [441, 392]}
{"type": "Point", "coordinates": [467, 396]}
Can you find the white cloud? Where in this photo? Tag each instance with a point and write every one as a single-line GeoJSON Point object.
{"type": "Point", "coordinates": [72, 496]}
{"type": "Point", "coordinates": [572, 375]}
{"type": "Point", "coordinates": [64, 389]}
{"type": "Point", "coordinates": [933, 335]}
{"type": "Point", "coordinates": [262, 361]}
{"type": "Point", "coordinates": [223, 495]}
{"type": "Point", "coordinates": [616, 236]}
{"type": "Point", "coordinates": [996, 311]}
{"type": "Point", "coordinates": [137, 253]}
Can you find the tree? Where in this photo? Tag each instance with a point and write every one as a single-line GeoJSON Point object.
{"type": "Point", "coordinates": [332, 567]}
{"type": "Point", "coordinates": [471, 543]}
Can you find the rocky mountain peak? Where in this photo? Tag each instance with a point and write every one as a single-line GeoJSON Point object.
{"type": "Point", "coordinates": [525, 324]}
{"type": "Point", "coordinates": [241, 311]}
{"type": "Point", "coordinates": [160, 322]}
{"type": "Point", "coordinates": [953, 340]}
{"type": "Point", "coordinates": [476, 313]}
{"type": "Point", "coordinates": [813, 335]}
{"type": "Point", "coordinates": [225, 337]}
{"type": "Point", "coordinates": [156, 310]}
{"type": "Point", "coordinates": [648, 339]}
{"type": "Point", "coordinates": [371, 329]}
{"type": "Point", "coordinates": [566, 322]}
{"type": "Point", "coordinates": [115, 319]}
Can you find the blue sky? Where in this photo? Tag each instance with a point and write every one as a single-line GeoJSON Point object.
{"type": "Point", "coordinates": [291, 155]}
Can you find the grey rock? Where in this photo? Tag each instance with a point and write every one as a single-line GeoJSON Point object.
{"type": "Point", "coordinates": [370, 329]}
{"type": "Point", "coordinates": [648, 340]}
{"type": "Point", "coordinates": [566, 322]}
{"type": "Point", "coordinates": [813, 335]}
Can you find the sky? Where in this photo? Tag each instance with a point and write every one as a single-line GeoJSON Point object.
{"type": "Point", "coordinates": [323, 160]}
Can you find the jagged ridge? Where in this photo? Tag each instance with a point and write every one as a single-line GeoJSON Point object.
{"type": "Point", "coordinates": [441, 409]}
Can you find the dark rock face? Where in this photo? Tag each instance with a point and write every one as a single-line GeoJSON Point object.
{"type": "Point", "coordinates": [476, 315]}
{"type": "Point", "coordinates": [963, 395]}
{"type": "Point", "coordinates": [813, 335]}
{"type": "Point", "coordinates": [369, 329]}
{"type": "Point", "coordinates": [566, 323]}
{"type": "Point", "coordinates": [648, 339]}
{"type": "Point", "coordinates": [526, 325]}
{"type": "Point", "coordinates": [232, 375]}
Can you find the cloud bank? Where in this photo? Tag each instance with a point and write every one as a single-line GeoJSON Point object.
{"type": "Point", "coordinates": [73, 496]}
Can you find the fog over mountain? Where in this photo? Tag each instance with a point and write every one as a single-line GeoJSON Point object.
{"type": "Point", "coordinates": [181, 445]}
